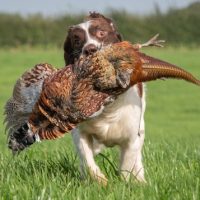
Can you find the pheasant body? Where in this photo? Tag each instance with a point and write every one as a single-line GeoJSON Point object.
{"type": "Point", "coordinates": [65, 101]}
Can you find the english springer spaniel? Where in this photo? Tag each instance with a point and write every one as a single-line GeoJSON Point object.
{"type": "Point", "coordinates": [122, 122]}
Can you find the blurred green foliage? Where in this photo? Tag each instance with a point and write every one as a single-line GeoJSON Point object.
{"type": "Point", "coordinates": [177, 26]}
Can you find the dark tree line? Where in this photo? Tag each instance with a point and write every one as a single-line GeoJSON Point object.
{"type": "Point", "coordinates": [178, 27]}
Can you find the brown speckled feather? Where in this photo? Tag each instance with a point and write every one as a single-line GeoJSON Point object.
{"type": "Point", "coordinates": [64, 102]}
{"type": "Point", "coordinates": [25, 94]}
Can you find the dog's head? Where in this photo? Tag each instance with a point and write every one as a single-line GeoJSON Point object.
{"type": "Point", "coordinates": [86, 38]}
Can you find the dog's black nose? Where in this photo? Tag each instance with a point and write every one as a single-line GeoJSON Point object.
{"type": "Point", "coordinates": [89, 49]}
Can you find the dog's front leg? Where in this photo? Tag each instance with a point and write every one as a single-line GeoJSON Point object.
{"type": "Point", "coordinates": [131, 159]}
{"type": "Point", "coordinates": [84, 147]}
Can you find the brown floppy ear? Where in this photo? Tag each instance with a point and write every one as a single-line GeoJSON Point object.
{"type": "Point", "coordinates": [95, 15]}
{"type": "Point", "coordinates": [68, 49]}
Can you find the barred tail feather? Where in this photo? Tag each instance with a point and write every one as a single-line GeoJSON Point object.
{"type": "Point", "coordinates": [153, 69]}
{"type": "Point", "coordinates": [50, 134]}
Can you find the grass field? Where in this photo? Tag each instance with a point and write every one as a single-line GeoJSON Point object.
{"type": "Point", "coordinates": [172, 147]}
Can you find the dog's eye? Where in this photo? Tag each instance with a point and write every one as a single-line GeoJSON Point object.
{"type": "Point", "coordinates": [101, 33]}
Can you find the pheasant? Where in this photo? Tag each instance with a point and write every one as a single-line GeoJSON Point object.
{"type": "Point", "coordinates": [49, 102]}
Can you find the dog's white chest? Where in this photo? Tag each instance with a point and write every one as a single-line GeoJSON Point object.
{"type": "Point", "coordinates": [118, 122]}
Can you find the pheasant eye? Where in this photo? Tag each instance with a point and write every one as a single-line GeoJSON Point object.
{"type": "Point", "coordinates": [101, 34]}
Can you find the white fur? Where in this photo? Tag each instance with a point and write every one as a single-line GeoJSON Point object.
{"type": "Point", "coordinates": [121, 123]}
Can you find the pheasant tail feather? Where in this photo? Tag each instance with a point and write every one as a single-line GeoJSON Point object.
{"type": "Point", "coordinates": [153, 69]}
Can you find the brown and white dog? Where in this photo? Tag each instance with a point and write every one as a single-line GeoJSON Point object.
{"type": "Point", "coordinates": [122, 122]}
